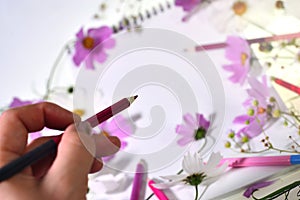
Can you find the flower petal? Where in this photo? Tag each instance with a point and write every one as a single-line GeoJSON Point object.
{"type": "Point", "coordinates": [189, 119]}
{"type": "Point", "coordinates": [256, 126]}
{"type": "Point", "coordinates": [202, 122]}
{"type": "Point", "coordinates": [118, 127]}
{"type": "Point", "coordinates": [34, 135]}
{"type": "Point", "coordinates": [184, 141]}
{"type": "Point", "coordinates": [173, 180]}
{"type": "Point", "coordinates": [89, 64]}
{"type": "Point", "coordinates": [102, 33]}
{"type": "Point", "coordinates": [100, 56]}
{"type": "Point", "coordinates": [109, 43]}
{"type": "Point", "coordinates": [80, 53]}
{"type": "Point", "coordinates": [192, 163]}
{"type": "Point", "coordinates": [16, 102]}
{"type": "Point", "coordinates": [241, 119]}
{"type": "Point", "coordinates": [259, 90]}
{"type": "Point", "coordinates": [177, 177]}
{"type": "Point", "coordinates": [212, 163]}
{"type": "Point", "coordinates": [184, 130]}
{"type": "Point", "coordinates": [166, 185]}
{"type": "Point", "coordinates": [218, 170]}
{"type": "Point", "coordinates": [187, 163]}
{"type": "Point", "coordinates": [80, 34]}
{"type": "Point", "coordinates": [187, 5]}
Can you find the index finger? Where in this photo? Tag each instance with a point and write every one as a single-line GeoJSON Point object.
{"type": "Point", "coordinates": [15, 124]}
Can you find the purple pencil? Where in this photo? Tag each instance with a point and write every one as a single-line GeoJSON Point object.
{"type": "Point", "coordinates": [139, 181]}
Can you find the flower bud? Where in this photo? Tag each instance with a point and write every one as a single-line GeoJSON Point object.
{"type": "Point", "coordinates": [250, 112]}
{"type": "Point", "coordinates": [272, 99]}
{"type": "Point", "coordinates": [245, 139]}
{"type": "Point", "coordinates": [276, 113]}
{"type": "Point", "coordinates": [231, 134]}
{"type": "Point", "coordinates": [255, 103]}
{"type": "Point", "coordinates": [227, 144]}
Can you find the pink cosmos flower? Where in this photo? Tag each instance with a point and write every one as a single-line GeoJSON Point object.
{"type": "Point", "coordinates": [119, 127]}
{"type": "Point", "coordinates": [16, 102]}
{"type": "Point", "coordinates": [239, 53]}
{"type": "Point", "coordinates": [187, 5]}
{"type": "Point", "coordinates": [259, 114]}
{"type": "Point", "coordinates": [253, 125]}
{"type": "Point", "coordinates": [190, 6]}
{"type": "Point", "coordinates": [194, 128]}
{"type": "Point", "coordinates": [91, 46]}
{"type": "Point", "coordinates": [259, 91]}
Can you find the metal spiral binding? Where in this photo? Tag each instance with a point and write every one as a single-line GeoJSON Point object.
{"type": "Point", "coordinates": [132, 22]}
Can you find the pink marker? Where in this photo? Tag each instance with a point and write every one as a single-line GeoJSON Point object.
{"type": "Point", "coordinates": [262, 161]}
{"type": "Point", "coordinates": [158, 193]}
{"type": "Point", "coordinates": [139, 181]}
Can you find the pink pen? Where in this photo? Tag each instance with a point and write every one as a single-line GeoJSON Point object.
{"type": "Point", "coordinates": [158, 193]}
{"type": "Point", "coordinates": [262, 161]}
{"type": "Point", "coordinates": [139, 181]}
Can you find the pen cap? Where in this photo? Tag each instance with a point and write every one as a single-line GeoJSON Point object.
{"type": "Point", "coordinates": [295, 159]}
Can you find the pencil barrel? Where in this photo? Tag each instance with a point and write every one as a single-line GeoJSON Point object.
{"type": "Point", "coordinates": [27, 159]}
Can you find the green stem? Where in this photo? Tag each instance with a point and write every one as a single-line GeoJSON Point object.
{"type": "Point", "coordinates": [290, 114]}
{"type": "Point", "coordinates": [271, 147]}
{"type": "Point", "coordinates": [54, 68]}
{"type": "Point", "coordinates": [250, 152]}
{"type": "Point", "coordinates": [150, 196]}
{"type": "Point", "coordinates": [278, 192]}
{"type": "Point", "coordinates": [202, 147]}
{"type": "Point", "coordinates": [292, 123]}
{"type": "Point", "coordinates": [197, 193]}
{"type": "Point", "coordinates": [282, 150]}
{"type": "Point", "coordinates": [180, 171]}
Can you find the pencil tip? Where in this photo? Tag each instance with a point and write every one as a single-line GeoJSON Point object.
{"type": "Point", "coordinates": [132, 98]}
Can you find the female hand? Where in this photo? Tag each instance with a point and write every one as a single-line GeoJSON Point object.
{"type": "Point", "coordinates": [60, 176]}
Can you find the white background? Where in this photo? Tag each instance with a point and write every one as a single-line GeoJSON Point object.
{"type": "Point", "coordinates": [33, 32]}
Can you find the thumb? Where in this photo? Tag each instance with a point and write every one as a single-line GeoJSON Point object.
{"type": "Point", "coordinates": [73, 162]}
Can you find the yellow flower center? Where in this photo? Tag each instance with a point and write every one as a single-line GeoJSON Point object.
{"type": "Point", "coordinates": [79, 112]}
{"type": "Point", "coordinates": [106, 134]}
{"type": "Point", "coordinates": [88, 42]}
{"type": "Point", "coordinates": [239, 8]}
{"type": "Point", "coordinates": [279, 5]}
{"type": "Point", "coordinates": [244, 58]}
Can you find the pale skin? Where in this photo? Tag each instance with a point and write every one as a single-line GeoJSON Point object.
{"type": "Point", "coordinates": [60, 176]}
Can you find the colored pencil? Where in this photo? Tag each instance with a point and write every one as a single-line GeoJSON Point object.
{"type": "Point", "coordinates": [139, 182]}
{"type": "Point", "coordinates": [284, 160]}
{"type": "Point", "coordinates": [287, 85]}
{"type": "Point", "coordinates": [158, 193]}
{"type": "Point", "coordinates": [50, 146]}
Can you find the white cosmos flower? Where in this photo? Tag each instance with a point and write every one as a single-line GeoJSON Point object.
{"type": "Point", "coordinates": [231, 16]}
{"type": "Point", "coordinates": [197, 172]}
{"type": "Point", "coordinates": [109, 184]}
